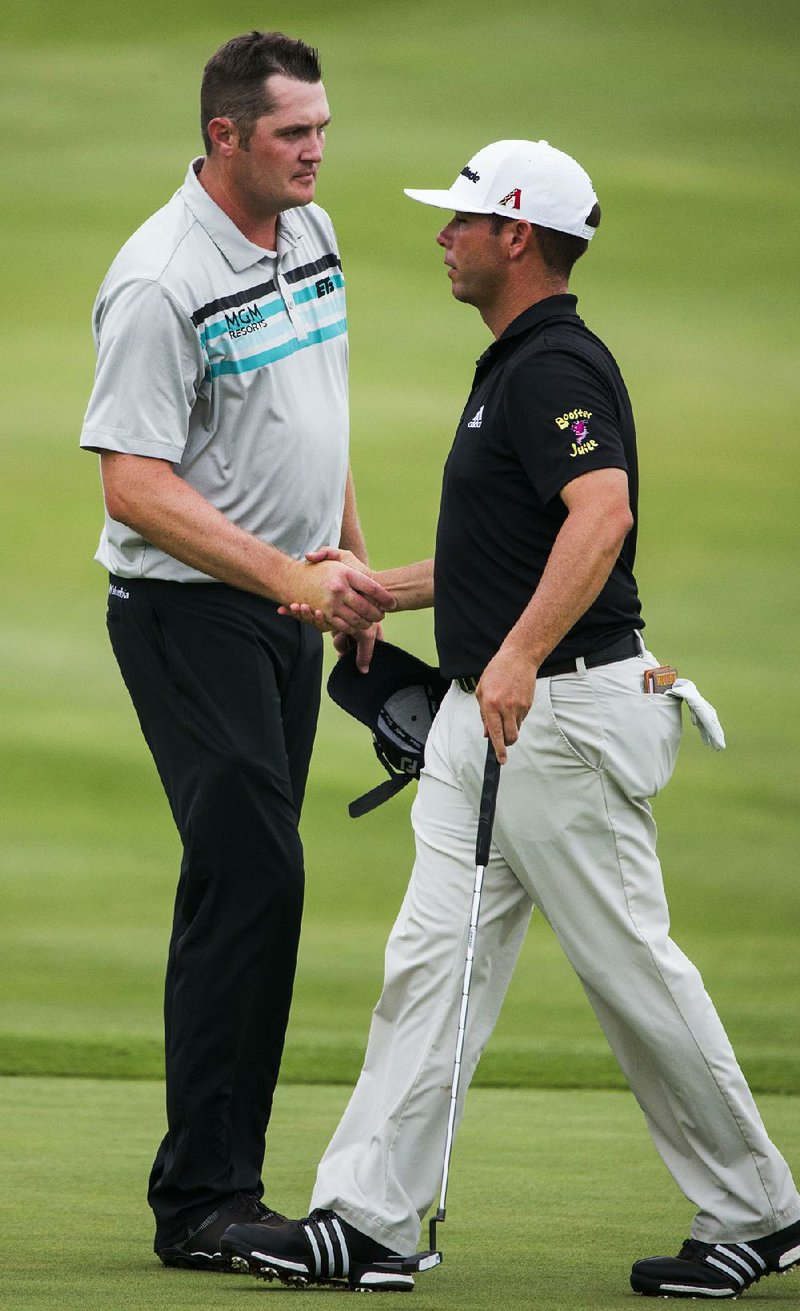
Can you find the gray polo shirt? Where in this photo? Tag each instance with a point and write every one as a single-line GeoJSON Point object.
{"type": "Point", "coordinates": [230, 362]}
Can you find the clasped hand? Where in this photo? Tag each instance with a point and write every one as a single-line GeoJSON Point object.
{"type": "Point", "coordinates": [339, 596]}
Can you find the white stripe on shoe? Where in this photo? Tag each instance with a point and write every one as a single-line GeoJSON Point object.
{"type": "Point", "coordinates": [732, 1254]}
{"type": "Point", "coordinates": [726, 1269]}
{"type": "Point", "coordinates": [279, 1262]}
{"type": "Point", "coordinates": [315, 1249]}
{"type": "Point", "coordinates": [334, 1223]}
{"type": "Point", "coordinates": [751, 1252]}
{"type": "Point", "coordinates": [323, 1231]}
{"type": "Point", "coordinates": [694, 1290]}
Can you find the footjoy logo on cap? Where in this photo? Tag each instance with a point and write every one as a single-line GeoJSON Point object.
{"type": "Point", "coordinates": [467, 172]}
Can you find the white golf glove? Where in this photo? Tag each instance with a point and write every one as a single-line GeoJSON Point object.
{"type": "Point", "coordinates": [704, 716]}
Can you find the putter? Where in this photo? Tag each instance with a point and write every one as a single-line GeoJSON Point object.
{"type": "Point", "coordinates": [433, 1256]}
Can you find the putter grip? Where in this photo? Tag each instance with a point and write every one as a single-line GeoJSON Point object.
{"type": "Point", "coordinates": [491, 781]}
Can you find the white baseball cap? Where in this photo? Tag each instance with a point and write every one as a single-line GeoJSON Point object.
{"type": "Point", "coordinates": [521, 179]}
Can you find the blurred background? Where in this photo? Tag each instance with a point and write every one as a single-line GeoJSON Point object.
{"type": "Point", "coordinates": [685, 115]}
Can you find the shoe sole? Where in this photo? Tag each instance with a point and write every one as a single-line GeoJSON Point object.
{"type": "Point", "coordinates": [296, 1274]}
{"type": "Point", "coordinates": [219, 1263]}
{"type": "Point", "coordinates": [649, 1288]}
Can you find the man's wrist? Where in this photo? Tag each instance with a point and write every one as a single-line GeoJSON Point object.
{"type": "Point", "coordinates": [410, 585]}
{"type": "Point", "coordinates": [292, 583]}
{"type": "Point", "coordinates": [524, 649]}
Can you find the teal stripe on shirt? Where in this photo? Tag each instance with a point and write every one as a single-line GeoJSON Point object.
{"type": "Point", "coordinates": [310, 292]}
{"type": "Point", "coordinates": [279, 352]}
{"type": "Point", "coordinates": [271, 309]}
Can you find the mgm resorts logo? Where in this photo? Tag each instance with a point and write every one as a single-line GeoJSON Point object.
{"type": "Point", "coordinates": [247, 319]}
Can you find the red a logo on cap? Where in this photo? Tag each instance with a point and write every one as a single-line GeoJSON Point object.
{"type": "Point", "coordinates": [513, 197]}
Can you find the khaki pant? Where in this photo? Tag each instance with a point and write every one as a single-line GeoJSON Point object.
{"type": "Point", "coordinates": [573, 836]}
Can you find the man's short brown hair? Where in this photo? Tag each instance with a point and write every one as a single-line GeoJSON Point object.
{"type": "Point", "coordinates": [234, 82]}
{"type": "Point", "coordinates": [559, 250]}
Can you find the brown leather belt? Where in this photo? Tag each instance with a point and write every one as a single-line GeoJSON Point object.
{"type": "Point", "coordinates": [623, 649]}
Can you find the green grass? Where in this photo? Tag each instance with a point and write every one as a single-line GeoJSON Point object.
{"type": "Point", "coordinates": [685, 116]}
{"type": "Point", "coordinates": [552, 1196]}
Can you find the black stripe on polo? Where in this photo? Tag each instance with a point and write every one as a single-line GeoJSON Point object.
{"type": "Point", "coordinates": [263, 288]}
{"type": "Point", "coordinates": [329, 261]}
{"type": "Point", "coordinates": [230, 302]}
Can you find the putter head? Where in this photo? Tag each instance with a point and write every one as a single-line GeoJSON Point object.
{"type": "Point", "coordinates": [408, 1264]}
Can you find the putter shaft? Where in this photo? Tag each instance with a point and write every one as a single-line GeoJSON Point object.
{"type": "Point", "coordinates": [491, 780]}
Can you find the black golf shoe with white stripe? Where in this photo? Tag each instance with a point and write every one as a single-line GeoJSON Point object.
{"type": "Point", "coordinates": [717, 1269]}
{"type": "Point", "coordinates": [321, 1249]}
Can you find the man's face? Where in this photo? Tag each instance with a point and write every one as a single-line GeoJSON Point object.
{"type": "Point", "coordinates": [278, 169]}
{"type": "Point", "coordinates": [473, 255]}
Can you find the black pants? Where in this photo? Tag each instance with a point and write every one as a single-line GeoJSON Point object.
{"type": "Point", "coordinates": [227, 694]}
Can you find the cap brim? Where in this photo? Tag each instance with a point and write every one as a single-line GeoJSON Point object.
{"type": "Point", "coordinates": [445, 200]}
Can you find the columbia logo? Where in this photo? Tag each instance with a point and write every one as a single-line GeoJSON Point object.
{"type": "Point", "coordinates": [476, 420]}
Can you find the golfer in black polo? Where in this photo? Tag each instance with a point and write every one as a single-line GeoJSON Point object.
{"type": "Point", "coordinates": [538, 624]}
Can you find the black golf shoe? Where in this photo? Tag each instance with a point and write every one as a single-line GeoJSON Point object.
{"type": "Point", "coordinates": [200, 1249]}
{"type": "Point", "coordinates": [321, 1249]}
{"type": "Point", "coordinates": [717, 1269]}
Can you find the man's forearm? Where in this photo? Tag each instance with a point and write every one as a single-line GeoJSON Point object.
{"type": "Point", "coordinates": [166, 511]}
{"type": "Point", "coordinates": [149, 497]}
{"type": "Point", "coordinates": [580, 562]}
{"type": "Point", "coordinates": [351, 537]}
{"type": "Point", "coordinates": [410, 584]}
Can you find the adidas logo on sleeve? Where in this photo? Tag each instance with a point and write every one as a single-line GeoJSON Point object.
{"type": "Point", "coordinates": [476, 420]}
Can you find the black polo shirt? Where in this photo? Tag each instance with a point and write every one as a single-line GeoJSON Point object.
{"type": "Point", "coordinates": [548, 404]}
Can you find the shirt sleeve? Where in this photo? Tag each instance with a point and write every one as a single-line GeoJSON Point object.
{"type": "Point", "coordinates": [562, 421]}
{"type": "Point", "coordinates": [150, 366]}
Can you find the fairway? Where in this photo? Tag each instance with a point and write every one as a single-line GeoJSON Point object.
{"type": "Point", "coordinates": [685, 114]}
{"type": "Point", "coordinates": [552, 1197]}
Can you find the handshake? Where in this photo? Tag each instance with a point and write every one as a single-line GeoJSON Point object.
{"type": "Point", "coordinates": [338, 594]}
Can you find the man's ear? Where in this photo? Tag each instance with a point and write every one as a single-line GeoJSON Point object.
{"type": "Point", "coordinates": [224, 135]}
{"type": "Point", "coordinates": [520, 237]}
